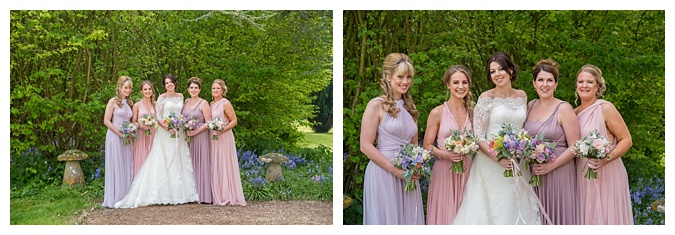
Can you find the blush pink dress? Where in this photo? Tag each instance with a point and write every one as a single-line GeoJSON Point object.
{"type": "Point", "coordinates": [143, 142]}
{"type": "Point", "coordinates": [226, 181]}
{"type": "Point", "coordinates": [446, 188]}
{"type": "Point", "coordinates": [605, 200]}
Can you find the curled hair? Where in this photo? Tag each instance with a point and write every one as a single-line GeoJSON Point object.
{"type": "Point", "coordinates": [222, 85]}
{"type": "Point", "coordinates": [169, 76]}
{"type": "Point", "coordinates": [148, 82]}
{"type": "Point", "coordinates": [503, 60]}
{"type": "Point", "coordinates": [120, 83]}
{"type": "Point", "coordinates": [401, 63]}
{"type": "Point", "coordinates": [545, 65]}
{"type": "Point", "coordinates": [597, 73]}
{"type": "Point", "coordinates": [468, 99]}
{"type": "Point", "coordinates": [195, 80]}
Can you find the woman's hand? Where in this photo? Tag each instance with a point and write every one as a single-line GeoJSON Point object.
{"type": "Point", "coordinates": [505, 163]}
{"type": "Point", "coordinates": [542, 169]}
{"type": "Point", "coordinates": [455, 157]}
{"type": "Point", "coordinates": [191, 133]}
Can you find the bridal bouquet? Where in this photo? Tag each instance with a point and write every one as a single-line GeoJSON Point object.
{"type": "Point", "coordinates": [174, 121]}
{"type": "Point", "coordinates": [592, 146]}
{"type": "Point", "coordinates": [190, 125]}
{"type": "Point", "coordinates": [415, 161]}
{"type": "Point", "coordinates": [463, 143]}
{"type": "Point", "coordinates": [128, 132]}
{"type": "Point", "coordinates": [215, 124]}
{"type": "Point", "coordinates": [148, 120]}
{"type": "Point", "coordinates": [542, 152]}
{"type": "Point", "coordinates": [512, 143]}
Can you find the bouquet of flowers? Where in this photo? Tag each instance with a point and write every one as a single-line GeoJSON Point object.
{"type": "Point", "coordinates": [512, 143]}
{"type": "Point", "coordinates": [463, 143]}
{"type": "Point", "coordinates": [148, 120]}
{"type": "Point", "coordinates": [592, 146]}
{"type": "Point", "coordinates": [128, 132]}
{"type": "Point", "coordinates": [174, 121]}
{"type": "Point", "coordinates": [215, 124]}
{"type": "Point", "coordinates": [189, 125]}
{"type": "Point", "coordinates": [542, 153]}
{"type": "Point", "coordinates": [415, 161]}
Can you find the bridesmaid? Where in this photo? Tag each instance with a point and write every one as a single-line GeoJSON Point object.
{"type": "Point", "coordinates": [200, 142]}
{"type": "Point", "coordinates": [392, 119]}
{"type": "Point", "coordinates": [446, 188]}
{"type": "Point", "coordinates": [605, 200]}
{"type": "Point", "coordinates": [556, 120]}
{"type": "Point", "coordinates": [143, 142]}
{"type": "Point", "coordinates": [119, 166]}
{"type": "Point", "coordinates": [226, 182]}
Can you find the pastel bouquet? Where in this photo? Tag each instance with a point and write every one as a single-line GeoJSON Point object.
{"type": "Point", "coordinates": [128, 132]}
{"type": "Point", "coordinates": [512, 143]}
{"type": "Point", "coordinates": [215, 124]}
{"type": "Point", "coordinates": [414, 160]}
{"type": "Point", "coordinates": [463, 143]}
{"type": "Point", "coordinates": [592, 146]}
{"type": "Point", "coordinates": [148, 120]}
{"type": "Point", "coordinates": [190, 125]}
{"type": "Point", "coordinates": [174, 121]}
{"type": "Point", "coordinates": [542, 152]}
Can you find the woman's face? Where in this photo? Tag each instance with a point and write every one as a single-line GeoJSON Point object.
{"type": "Point", "coordinates": [216, 90]}
{"type": "Point", "coordinates": [126, 89]}
{"type": "Point", "coordinates": [458, 85]}
{"type": "Point", "coordinates": [194, 89]}
{"type": "Point", "coordinates": [587, 85]}
{"type": "Point", "coordinates": [500, 76]}
{"type": "Point", "coordinates": [169, 85]}
{"type": "Point", "coordinates": [146, 90]}
{"type": "Point", "coordinates": [545, 84]}
{"type": "Point", "coordinates": [399, 83]}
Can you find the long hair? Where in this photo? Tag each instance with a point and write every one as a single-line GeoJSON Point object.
{"type": "Point", "coordinates": [597, 73]}
{"type": "Point", "coordinates": [468, 99]}
{"type": "Point", "coordinates": [148, 82]}
{"type": "Point", "coordinates": [397, 62]}
{"type": "Point", "coordinates": [120, 83]}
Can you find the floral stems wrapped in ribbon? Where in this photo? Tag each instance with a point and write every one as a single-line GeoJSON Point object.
{"type": "Point", "coordinates": [174, 121]}
{"type": "Point", "coordinates": [148, 120]}
{"type": "Point", "coordinates": [215, 124]}
{"type": "Point", "coordinates": [463, 143]}
{"type": "Point", "coordinates": [189, 125]}
{"type": "Point", "coordinates": [414, 160]}
{"type": "Point", "coordinates": [542, 152]}
{"type": "Point", "coordinates": [512, 143]}
{"type": "Point", "coordinates": [592, 146]}
{"type": "Point", "coordinates": [128, 132]}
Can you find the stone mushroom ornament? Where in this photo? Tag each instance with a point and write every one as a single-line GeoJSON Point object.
{"type": "Point", "coordinates": [73, 173]}
{"type": "Point", "coordinates": [274, 161]}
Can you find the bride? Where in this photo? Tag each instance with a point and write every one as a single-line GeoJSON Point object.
{"type": "Point", "coordinates": [489, 197]}
{"type": "Point", "coordinates": [166, 176]}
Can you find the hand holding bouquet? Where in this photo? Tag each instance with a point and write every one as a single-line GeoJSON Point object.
{"type": "Point", "coordinates": [592, 146]}
{"type": "Point", "coordinates": [215, 124]}
{"type": "Point", "coordinates": [512, 143]}
{"type": "Point", "coordinates": [542, 153]}
{"type": "Point", "coordinates": [189, 125]}
{"type": "Point", "coordinates": [128, 132]}
{"type": "Point", "coordinates": [148, 120]}
{"type": "Point", "coordinates": [175, 122]}
{"type": "Point", "coordinates": [414, 160]}
{"type": "Point", "coordinates": [463, 143]}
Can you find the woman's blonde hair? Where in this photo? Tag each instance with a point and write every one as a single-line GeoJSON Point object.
{"type": "Point", "coordinates": [397, 62]}
{"type": "Point", "coordinates": [222, 84]}
{"type": "Point", "coordinates": [468, 99]}
{"type": "Point", "coordinates": [597, 73]}
{"type": "Point", "coordinates": [148, 82]}
{"type": "Point", "coordinates": [120, 83]}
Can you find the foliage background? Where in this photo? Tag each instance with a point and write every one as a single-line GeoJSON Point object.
{"type": "Point", "coordinates": [628, 46]}
{"type": "Point", "coordinates": [64, 66]}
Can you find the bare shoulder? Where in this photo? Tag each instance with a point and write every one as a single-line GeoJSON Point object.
{"type": "Point", "coordinates": [520, 93]}
{"type": "Point", "coordinates": [161, 95]}
{"type": "Point", "coordinates": [112, 100]}
{"type": "Point", "coordinates": [487, 94]}
{"type": "Point", "coordinates": [608, 108]}
{"type": "Point", "coordinates": [437, 111]}
{"type": "Point", "coordinates": [566, 108]}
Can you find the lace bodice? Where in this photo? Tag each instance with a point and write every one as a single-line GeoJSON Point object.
{"type": "Point", "coordinates": [490, 113]}
{"type": "Point", "coordinates": [167, 105]}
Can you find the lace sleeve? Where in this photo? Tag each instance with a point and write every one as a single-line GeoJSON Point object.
{"type": "Point", "coordinates": [159, 107]}
{"type": "Point", "coordinates": [481, 118]}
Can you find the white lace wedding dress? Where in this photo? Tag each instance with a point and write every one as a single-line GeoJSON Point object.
{"type": "Point", "coordinates": [489, 197]}
{"type": "Point", "coordinates": [166, 176]}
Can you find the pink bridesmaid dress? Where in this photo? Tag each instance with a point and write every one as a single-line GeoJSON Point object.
{"type": "Point", "coordinates": [605, 200]}
{"type": "Point", "coordinates": [143, 142]}
{"type": "Point", "coordinates": [446, 188]}
{"type": "Point", "coordinates": [226, 181]}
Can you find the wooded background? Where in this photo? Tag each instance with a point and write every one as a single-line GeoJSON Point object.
{"type": "Point", "coordinates": [628, 46]}
{"type": "Point", "coordinates": [65, 64]}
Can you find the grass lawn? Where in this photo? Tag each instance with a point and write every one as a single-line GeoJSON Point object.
{"type": "Point", "coordinates": [313, 139]}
